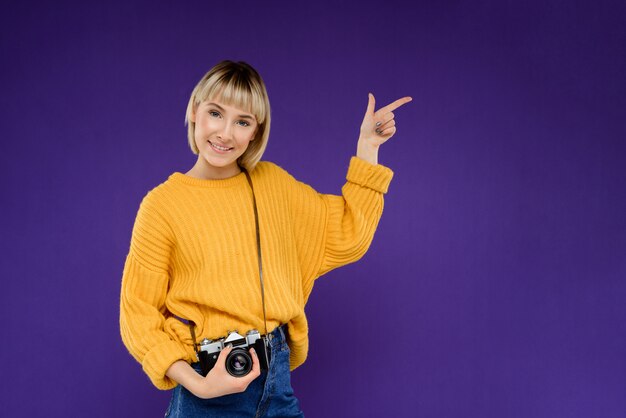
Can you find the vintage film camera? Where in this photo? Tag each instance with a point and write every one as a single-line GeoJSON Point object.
{"type": "Point", "coordinates": [239, 360]}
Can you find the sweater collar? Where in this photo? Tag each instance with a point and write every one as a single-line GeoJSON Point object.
{"type": "Point", "coordinates": [181, 178]}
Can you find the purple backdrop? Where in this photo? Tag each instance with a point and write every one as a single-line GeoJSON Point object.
{"type": "Point", "coordinates": [496, 283]}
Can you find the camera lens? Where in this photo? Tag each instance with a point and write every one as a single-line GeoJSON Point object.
{"type": "Point", "coordinates": [238, 362]}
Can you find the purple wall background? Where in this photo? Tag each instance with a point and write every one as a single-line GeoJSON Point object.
{"type": "Point", "coordinates": [495, 285]}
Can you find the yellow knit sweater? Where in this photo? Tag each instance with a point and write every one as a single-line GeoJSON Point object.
{"type": "Point", "coordinates": [193, 255]}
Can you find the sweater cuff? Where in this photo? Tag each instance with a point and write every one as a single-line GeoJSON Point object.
{"type": "Point", "coordinates": [366, 174]}
{"type": "Point", "coordinates": [159, 359]}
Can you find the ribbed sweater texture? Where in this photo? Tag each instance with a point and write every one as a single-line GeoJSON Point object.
{"type": "Point", "coordinates": [193, 255]}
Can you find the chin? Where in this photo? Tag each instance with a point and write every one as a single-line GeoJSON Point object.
{"type": "Point", "coordinates": [219, 162]}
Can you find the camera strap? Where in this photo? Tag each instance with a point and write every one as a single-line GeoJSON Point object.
{"type": "Point", "coordinates": [258, 244]}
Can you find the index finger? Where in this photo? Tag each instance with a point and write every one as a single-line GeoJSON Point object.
{"type": "Point", "coordinates": [392, 106]}
{"type": "Point", "coordinates": [256, 366]}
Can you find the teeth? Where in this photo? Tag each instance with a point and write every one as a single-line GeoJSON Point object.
{"type": "Point", "coordinates": [218, 147]}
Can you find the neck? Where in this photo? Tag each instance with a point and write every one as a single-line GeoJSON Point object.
{"type": "Point", "coordinates": [203, 170]}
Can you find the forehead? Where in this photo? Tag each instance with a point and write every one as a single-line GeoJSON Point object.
{"type": "Point", "coordinates": [240, 99]}
{"type": "Point", "coordinates": [228, 107]}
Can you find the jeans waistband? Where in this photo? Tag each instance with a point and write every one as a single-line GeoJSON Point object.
{"type": "Point", "coordinates": [278, 335]}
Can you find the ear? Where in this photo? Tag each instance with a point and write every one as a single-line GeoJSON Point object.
{"type": "Point", "coordinates": [256, 132]}
{"type": "Point", "coordinates": [194, 111]}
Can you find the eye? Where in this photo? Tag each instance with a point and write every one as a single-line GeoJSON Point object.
{"type": "Point", "coordinates": [244, 123]}
{"type": "Point", "coordinates": [214, 113]}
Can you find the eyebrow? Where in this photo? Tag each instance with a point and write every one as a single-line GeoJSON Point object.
{"type": "Point", "coordinates": [241, 116]}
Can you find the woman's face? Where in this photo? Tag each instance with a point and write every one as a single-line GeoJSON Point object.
{"type": "Point", "coordinates": [222, 135]}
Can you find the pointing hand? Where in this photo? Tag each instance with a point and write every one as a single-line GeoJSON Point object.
{"type": "Point", "coordinates": [378, 126]}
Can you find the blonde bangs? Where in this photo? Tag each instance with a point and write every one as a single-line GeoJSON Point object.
{"type": "Point", "coordinates": [234, 91]}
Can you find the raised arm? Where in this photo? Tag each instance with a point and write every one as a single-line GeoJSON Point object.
{"type": "Point", "coordinates": [333, 230]}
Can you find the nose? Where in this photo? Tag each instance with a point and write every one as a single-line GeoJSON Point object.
{"type": "Point", "coordinates": [225, 131]}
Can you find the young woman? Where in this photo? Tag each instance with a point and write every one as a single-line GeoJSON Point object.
{"type": "Point", "coordinates": [194, 269]}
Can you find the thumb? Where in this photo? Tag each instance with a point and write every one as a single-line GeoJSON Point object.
{"type": "Point", "coordinates": [221, 359]}
{"type": "Point", "coordinates": [370, 104]}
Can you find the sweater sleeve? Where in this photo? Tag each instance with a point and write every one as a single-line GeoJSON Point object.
{"type": "Point", "coordinates": [144, 286]}
{"type": "Point", "coordinates": [332, 231]}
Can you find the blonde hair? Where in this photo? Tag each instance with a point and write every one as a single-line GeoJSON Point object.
{"type": "Point", "coordinates": [239, 85]}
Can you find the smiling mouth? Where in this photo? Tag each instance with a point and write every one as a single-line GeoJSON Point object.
{"type": "Point", "coordinates": [218, 147]}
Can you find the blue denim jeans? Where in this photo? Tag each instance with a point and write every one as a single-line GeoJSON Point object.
{"type": "Point", "coordinates": [269, 395]}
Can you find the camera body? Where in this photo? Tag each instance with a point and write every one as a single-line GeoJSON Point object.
{"type": "Point", "coordinates": [239, 360]}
